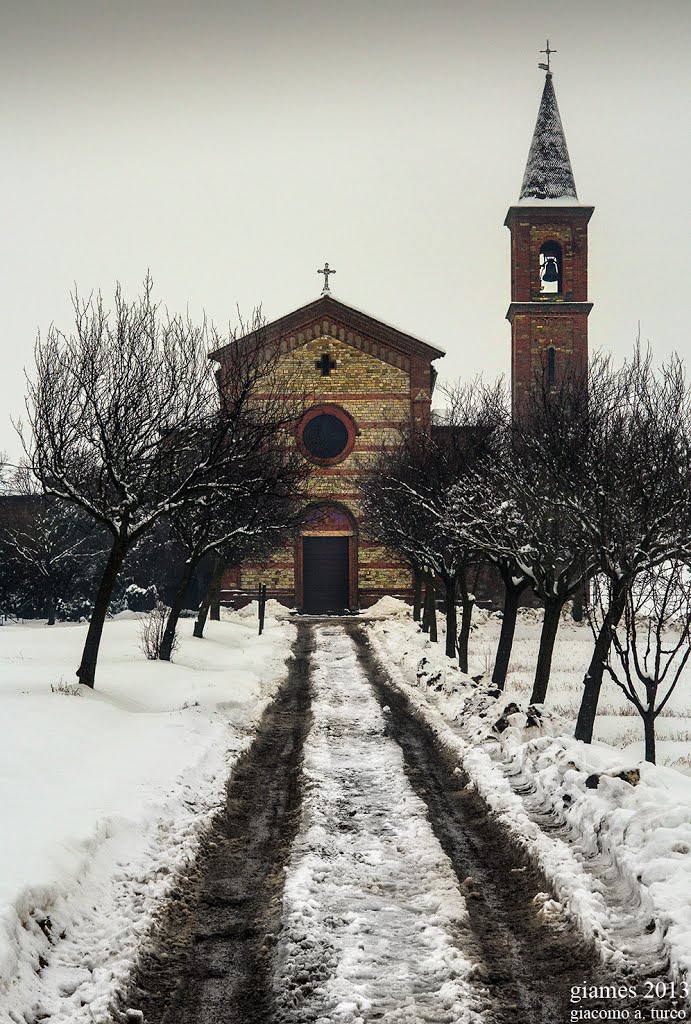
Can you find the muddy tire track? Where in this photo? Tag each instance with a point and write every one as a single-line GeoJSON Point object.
{"type": "Point", "coordinates": [529, 963]}
{"type": "Point", "coordinates": [212, 955]}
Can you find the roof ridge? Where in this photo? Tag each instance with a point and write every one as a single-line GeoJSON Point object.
{"type": "Point", "coordinates": [326, 305]}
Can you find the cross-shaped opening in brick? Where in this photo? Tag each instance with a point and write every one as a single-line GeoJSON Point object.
{"type": "Point", "coordinates": [326, 364]}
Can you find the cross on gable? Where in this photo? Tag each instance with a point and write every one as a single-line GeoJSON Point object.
{"type": "Point", "coordinates": [326, 271]}
{"type": "Point", "coordinates": [326, 364]}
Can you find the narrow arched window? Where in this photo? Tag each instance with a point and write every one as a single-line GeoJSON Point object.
{"type": "Point", "coordinates": [551, 365]}
{"type": "Point", "coordinates": [550, 268]}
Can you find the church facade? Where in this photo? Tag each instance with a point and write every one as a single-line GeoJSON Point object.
{"type": "Point", "coordinates": [366, 381]}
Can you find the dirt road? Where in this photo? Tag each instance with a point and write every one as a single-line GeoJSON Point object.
{"type": "Point", "coordinates": [355, 877]}
{"type": "Point", "coordinates": [530, 963]}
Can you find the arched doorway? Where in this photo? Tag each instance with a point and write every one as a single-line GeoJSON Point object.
{"type": "Point", "coordinates": [327, 561]}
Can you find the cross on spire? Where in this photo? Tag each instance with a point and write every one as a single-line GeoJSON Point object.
{"type": "Point", "coordinates": [326, 271]}
{"type": "Point", "coordinates": [545, 67]}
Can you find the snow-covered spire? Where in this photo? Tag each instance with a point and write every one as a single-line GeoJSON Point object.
{"type": "Point", "coordinates": [548, 174]}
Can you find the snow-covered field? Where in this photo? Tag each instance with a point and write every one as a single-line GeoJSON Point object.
{"type": "Point", "coordinates": [618, 721]}
{"type": "Point", "coordinates": [104, 793]}
{"type": "Point", "coordinates": [618, 849]}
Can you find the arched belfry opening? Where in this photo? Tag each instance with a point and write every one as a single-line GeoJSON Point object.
{"type": "Point", "coordinates": [550, 268]}
{"type": "Point", "coordinates": [326, 560]}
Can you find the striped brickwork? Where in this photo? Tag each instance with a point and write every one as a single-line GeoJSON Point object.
{"type": "Point", "coordinates": [379, 380]}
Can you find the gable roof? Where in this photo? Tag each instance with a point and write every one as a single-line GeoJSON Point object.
{"type": "Point", "coordinates": [548, 174]}
{"type": "Point", "coordinates": [326, 307]}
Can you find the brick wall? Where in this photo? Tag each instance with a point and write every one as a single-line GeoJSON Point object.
{"type": "Point", "coordinates": [17, 511]}
{"type": "Point", "coordinates": [540, 321]}
{"type": "Point", "coordinates": [378, 388]}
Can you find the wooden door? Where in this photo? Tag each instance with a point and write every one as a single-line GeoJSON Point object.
{"type": "Point", "coordinates": [325, 569]}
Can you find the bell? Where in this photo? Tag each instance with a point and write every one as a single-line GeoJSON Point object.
{"type": "Point", "coordinates": [551, 271]}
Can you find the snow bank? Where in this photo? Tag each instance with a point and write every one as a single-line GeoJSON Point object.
{"type": "Point", "coordinates": [612, 834]}
{"type": "Point", "coordinates": [104, 794]}
{"type": "Point", "coordinates": [388, 608]}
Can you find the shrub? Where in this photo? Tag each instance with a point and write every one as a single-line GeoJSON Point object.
{"type": "Point", "coordinates": [75, 610]}
{"type": "Point", "coordinates": [141, 599]}
{"type": "Point", "coordinates": [152, 629]}
{"type": "Point", "coordinates": [70, 689]}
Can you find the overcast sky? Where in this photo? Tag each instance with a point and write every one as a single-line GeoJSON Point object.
{"type": "Point", "coordinates": [234, 147]}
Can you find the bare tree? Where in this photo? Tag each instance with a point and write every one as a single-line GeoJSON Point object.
{"type": "Point", "coordinates": [213, 591]}
{"type": "Point", "coordinates": [48, 551]}
{"type": "Point", "coordinates": [392, 520]}
{"type": "Point", "coordinates": [651, 647]}
{"type": "Point", "coordinates": [519, 531]}
{"type": "Point", "coordinates": [507, 509]}
{"type": "Point", "coordinates": [595, 479]}
{"type": "Point", "coordinates": [4, 469]}
{"type": "Point", "coordinates": [256, 504]}
{"type": "Point", "coordinates": [469, 434]}
{"type": "Point", "coordinates": [406, 499]}
{"type": "Point", "coordinates": [52, 554]}
{"type": "Point", "coordinates": [515, 584]}
{"type": "Point", "coordinates": [481, 511]}
{"type": "Point", "coordinates": [633, 499]}
{"type": "Point", "coordinates": [125, 424]}
{"type": "Point", "coordinates": [553, 550]}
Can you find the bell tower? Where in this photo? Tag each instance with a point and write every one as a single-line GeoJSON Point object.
{"type": "Point", "coordinates": [549, 259]}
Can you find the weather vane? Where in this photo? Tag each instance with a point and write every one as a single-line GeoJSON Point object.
{"type": "Point", "coordinates": [545, 67]}
{"type": "Point", "coordinates": [326, 271]}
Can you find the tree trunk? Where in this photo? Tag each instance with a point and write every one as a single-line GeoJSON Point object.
{"type": "Point", "coordinates": [431, 607]}
{"type": "Point", "coordinates": [168, 639]}
{"type": "Point", "coordinates": [593, 676]}
{"type": "Point", "coordinates": [451, 619]}
{"type": "Point", "coordinates": [417, 594]}
{"type": "Point", "coordinates": [50, 607]}
{"type": "Point", "coordinates": [548, 636]}
{"type": "Point", "coordinates": [508, 628]}
{"type": "Point", "coordinates": [577, 608]}
{"type": "Point", "coordinates": [206, 603]}
{"type": "Point", "coordinates": [580, 598]}
{"type": "Point", "coordinates": [591, 685]}
{"type": "Point", "coordinates": [216, 596]}
{"type": "Point", "coordinates": [86, 673]}
{"type": "Point", "coordinates": [467, 605]}
{"type": "Point", "coordinates": [649, 730]}
{"type": "Point", "coordinates": [424, 625]}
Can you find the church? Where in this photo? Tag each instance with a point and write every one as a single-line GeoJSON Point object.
{"type": "Point", "coordinates": [367, 380]}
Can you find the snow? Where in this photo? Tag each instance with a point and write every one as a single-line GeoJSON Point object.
{"type": "Point", "coordinates": [611, 832]}
{"type": "Point", "coordinates": [105, 796]}
{"type": "Point", "coordinates": [387, 608]}
{"type": "Point", "coordinates": [548, 173]}
{"type": "Point", "coordinates": [557, 201]}
{"type": "Point", "coordinates": [373, 916]}
{"type": "Point", "coordinates": [105, 793]}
